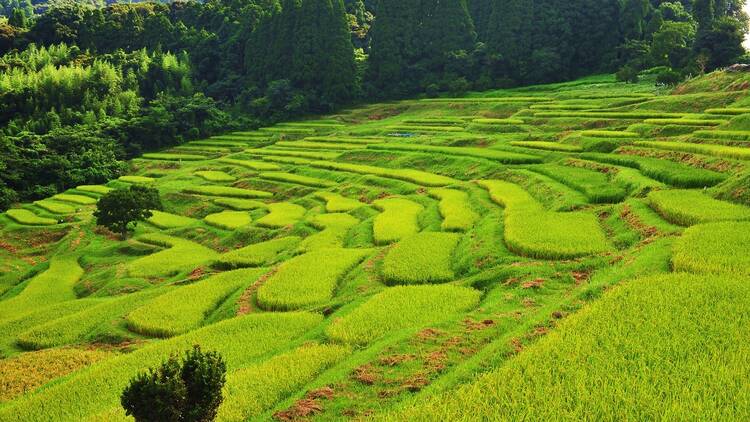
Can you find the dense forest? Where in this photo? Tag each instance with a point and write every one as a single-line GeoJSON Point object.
{"type": "Point", "coordinates": [86, 85]}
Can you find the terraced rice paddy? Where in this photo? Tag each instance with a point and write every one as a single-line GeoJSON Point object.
{"type": "Point", "coordinates": [574, 251]}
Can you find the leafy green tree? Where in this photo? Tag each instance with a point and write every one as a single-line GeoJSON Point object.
{"type": "Point", "coordinates": [722, 44]}
{"type": "Point", "coordinates": [180, 390]}
{"type": "Point", "coordinates": [120, 208]}
{"type": "Point", "coordinates": [704, 12]}
{"type": "Point", "coordinates": [634, 13]}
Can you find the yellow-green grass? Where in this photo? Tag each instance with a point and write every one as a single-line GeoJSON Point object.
{"type": "Point", "coordinates": [415, 128]}
{"type": "Point", "coordinates": [250, 391]}
{"type": "Point", "coordinates": [216, 142]}
{"type": "Point", "coordinates": [76, 327]}
{"type": "Point", "coordinates": [136, 179]}
{"type": "Point", "coordinates": [415, 176]}
{"type": "Point", "coordinates": [240, 341]}
{"type": "Point", "coordinates": [338, 203]}
{"type": "Point", "coordinates": [239, 204]}
{"type": "Point", "coordinates": [728, 135]}
{"type": "Point", "coordinates": [422, 258]}
{"type": "Point", "coordinates": [302, 282]}
{"type": "Point", "coordinates": [209, 190]}
{"type": "Point", "coordinates": [74, 199]}
{"type": "Point", "coordinates": [52, 286]}
{"type": "Point", "coordinates": [296, 179]}
{"type": "Point", "coordinates": [533, 231]}
{"type": "Point", "coordinates": [319, 145]}
{"type": "Point", "coordinates": [666, 347]}
{"type": "Point", "coordinates": [215, 176]}
{"type": "Point", "coordinates": [596, 185]}
{"type": "Point", "coordinates": [174, 157]}
{"type": "Point", "coordinates": [29, 371]}
{"type": "Point", "coordinates": [344, 140]}
{"type": "Point", "coordinates": [498, 121]}
{"type": "Point", "coordinates": [313, 124]}
{"type": "Point", "coordinates": [317, 155]}
{"type": "Point", "coordinates": [689, 207]}
{"type": "Point", "coordinates": [253, 165]}
{"type": "Point", "coordinates": [714, 248]}
{"type": "Point", "coordinates": [288, 130]}
{"type": "Point", "coordinates": [609, 134]}
{"type": "Point", "coordinates": [165, 220]}
{"type": "Point", "coordinates": [258, 254]}
{"type": "Point", "coordinates": [334, 229]}
{"type": "Point", "coordinates": [489, 154]}
{"type": "Point", "coordinates": [685, 122]}
{"type": "Point", "coordinates": [549, 146]}
{"type": "Point", "coordinates": [282, 214]}
{"type": "Point", "coordinates": [508, 99]}
{"type": "Point", "coordinates": [28, 218]}
{"type": "Point", "coordinates": [624, 115]}
{"type": "Point", "coordinates": [402, 308]}
{"type": "Point", "coordinates": [185, 308]}
{"type": "Point", "coordinates": [728, 111]}
{"type": "Point", "coordinates": [398, 220]}
{"type": "Point", "coordinates": [455, 209]}
{"type": "Point", "coordinates": [180, 255]}
{"type": "Point", "coordinates": [707, 149]}
{"type": "Point", "coordinates": [97, 189]}
{"type": "Point", "coordinates": [229, 220]}
{"type": "Point", "coordinates": [436, 121]}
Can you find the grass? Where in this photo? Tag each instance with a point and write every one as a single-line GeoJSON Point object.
{"type": "Point", "coordinates": [488, 154]}
{"type": "Point", "coordinates": [174, 157]}
{"type": "Point", "coordinates": [317, 155]}
{"type": "Point", "coordinates": [689, 207]}
{"type": "Point", "coordinates": [253, 165]}
{"type": "Point", "coordinates": [428, 129]}
{"type": "Point", "coordinates": [185, 308]}
{"type": "Point", "coordinates": [28, 218]}
{"type": "Point", "coordinates": [609, 134]}
{"type": "Point", "coordinates": [239, 204]}
{"type": "Point", "coordinates": [334, 230]}
{"type": "Point", "coordinates": [215, 176]}
{"type": "Point", "coordinates": [455, 209]}
{"type": "Point", "coordinates": [399, 219]}
{"type": "Point", "coordinates": [498, 121]}
{"type": "Point", "coordinates": [282, 214]}
{"type": "Point", "coordinates": [549, 146]}
{"type": "Point", "coordinates": [51, 286]}
{"type": "Point", "coordinates": [422, 258]}
{"type": "Point", "coordinates": [301, 283]}
{"type": "Point", "coordinates": [729, 135]}
{"type": "Point", "coordinates": [165, 220]}
{"type": "Point", "coordinates": [344, 140]}
{"type": "Point", "coordinates": [180, 255]}
{"type": "Point", "coordinates": [714, 248]}
{"type": "Point", "coordinates": [685, 122]}
{"type": "Point", "coordinates": [296, 179]}
{"type": "Point", "coordinates": [74, 199]}
{"type": "Point", "coordinates": [55, 207]}
{"type": "Point", "coordinates": [671, 173]}
{"type": "Point", "coordinates": [595, 185]}
{"type": "Point", "coordinates": [707, 149]}
{"type": "Point", "coordinates": [258, 254]}
{"type": "Point", "coordinates": [607, 362]}
{"type": "Point", "coordinates": [240, 341]}
{"type": "Point", "coordinates": [401, 308]}
{"type": "Point", "coordinates": [229, 220]}
{"type": "Point", "coordinates": [728, 111]}
{"type": "Point", "coordinates": [338, 203]}
{"type": "Point", "coordinates": [231, 192]}
{"type": "Point", "coordinates": [306, 144]}
{"type": "Point", "coordinates": [136, 179]}
{"type": "Point", "coordinates": [97, 189]}
{"type": "Point", "coordinates": [415, 176]}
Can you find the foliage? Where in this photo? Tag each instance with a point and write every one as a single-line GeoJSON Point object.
{"type": "Point", "coordinates": [121, 208]}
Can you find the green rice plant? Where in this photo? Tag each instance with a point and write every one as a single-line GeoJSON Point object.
{"type": "Point", "coordinates": [184, 308]}
{"type": "Point", "coordinates": [282, 214]}
{"type": "Point", "coordinates": [508, 99]}
{"type": "Point", "coordinates": [322, 123]}
{"type": "Point", "coordinates": [533, 231]}
{"type": "Point", "coordinates": [174, 157]}
{"type": "Point", "coordinates": [254, 165]}
{"type": "Point", "coordinates": [504, 157]}
{"type": "Point", "coordinates": [415, 128]}
{"type": "Point", "coordinates": [624, 115]}
{"type": "Point", "coordinates": [302, 282]}
{"type": "Point", "coordinates": [287, 130]}
{"type": "Point", "coordinates": [76, 327]}
{"type": "Point", "coordinates": [685, 122]}
{"type": "Point", "coordinates": [437, 121]}
{"type": "Point", "coordinates": [200, 149]}
{"type": "Point", "coordinates": [229, 220]}
{"type": "Point", "coordinates": [55, 207]}
{"type": "Point", "coordinates": [651, 349]}
{"type": "Point", "coordinates": [498, 121]}
{"type": "Point", "coordinates": [218, 143]}
{"type": "Point", "coordinates": [729, 135]}
{"type": "Point", "coordinates": [635, 181]}
{"type": "Point", "coordinates": [136, 179]}
{"type": "Point", "coordinates": [165, 220]}
{"type": "Point", "coordinates": [240, 341]}
{"type": "Point", "coordinates": [305, 144]}
{"type": "Point", "coordinates": [97, 189]}
{"type": "Point", "coordinates": [671, 173]}
{"type": "Point", "coordinates": [344, 140]}
{"type": "Point", "coordinates": [595, 185]}
{"type": "Point", "coordinates": [728, 111]}
{"type": "Point", "coordinates": [317, 155]}
{"type": "Point", "coordinates": [28, 218]}
{"type": "Point", "coordinates": [415, 176]}
{"type": "Point", "coordinates": [609, 134]}
{"type": "Point", "coordinates": [689, 207]}
{"type": "Point", "coordinates": [549, 146]}
{"type": "Point", "coordinates": [254, 389]}
{"type": "Point", "coordinates": [231, 192]}
{"type": "Point", "coordinates": [334, 229]}
{"type": "Point", "coordinates": [399, 219]}
{"type": "Point", "coordinates": [258, 254]}
{"type": "Point", "coordinates": [297, 179]}
{"type": "Point", "coordinates": [421, 258]}
{"type": "Point", "coordinates": [74, 199]}
{"type": "Point", "coordinates": [215, 176]}
{"type": "Point", "coordinates": [402, 308]}
{"type": "Point", "coordinates": [338, 203]}
{"type": "Point", "coordinates": [455, 209]}
{"type": "Point", "coordinates": [239, 204]}
{"type": "Point", "coordinates": [714, 248]}
{"type": "Point", "coordinates": [54, 285]}
{"type": "Point", "coordinates": [180, 256]}
{"type": "Point", "coordinates": [707, 149]}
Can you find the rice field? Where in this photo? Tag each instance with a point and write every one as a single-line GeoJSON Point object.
{"type": "Point", "coordinates": [572, 251]}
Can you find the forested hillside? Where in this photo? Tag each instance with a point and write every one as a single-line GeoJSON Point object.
{"type": "Point", "coordinates": [85, 85]}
